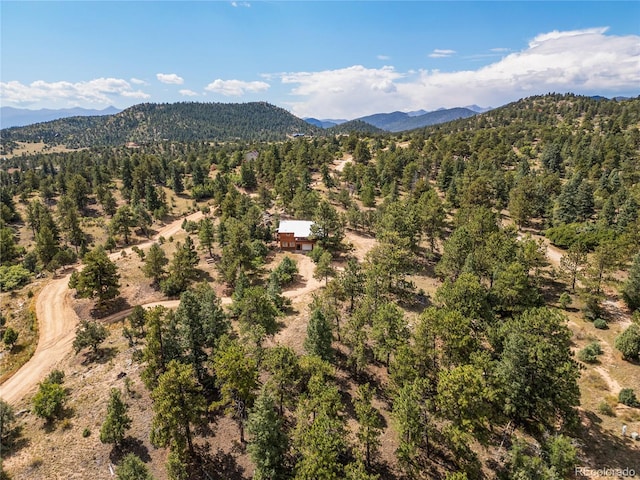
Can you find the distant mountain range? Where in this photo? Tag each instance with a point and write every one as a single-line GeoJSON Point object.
{"type": "Point", "coordinates": [194, 121]}
{"type": "Point", "coordinates": [391, 122]}
{"type": "Point", "coordinates": [19, 117]}
{"type": "Point", "coordinates": [197, 121]}
{"type": "Point", "coordinates": [322, 123]}
{"type": "Point", "coordinates": [400, 121]}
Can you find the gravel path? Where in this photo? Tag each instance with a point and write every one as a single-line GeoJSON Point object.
{"type": "Point", "coordinates": [57, 323]}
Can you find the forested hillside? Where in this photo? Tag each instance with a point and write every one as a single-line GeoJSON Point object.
{"type": "Point", "coordinates": [179, 122]}
{"type": "Point", "coordinates": [470, 309]}
{"type": "Point", "coordinates": [354, 126]}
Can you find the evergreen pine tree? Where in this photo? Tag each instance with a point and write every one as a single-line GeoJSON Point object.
{"type": "Point", "coordinates": [319, 336]}
{"type": "Point", "coordinates": [369, 422]}
{"type": "Point", "coordinates": [154, 262]}
{"type": "Point", "coordinates": [268, 444]}
{"type": "Point", "coordinates": [132, 468]}
{"type": "Point", "coordinates": [117, 421]}
{"type": "Point", "coordinates": [631, 287]}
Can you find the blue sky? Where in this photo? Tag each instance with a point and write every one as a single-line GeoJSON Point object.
{"type": "Point", "coordinates": [327, 59]}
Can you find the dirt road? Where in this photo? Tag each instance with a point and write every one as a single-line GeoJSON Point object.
{"type": "Point", "coordinates": [57, 323]}
{"type": "Point", "coordinates": [57, 320]}
{"type": "Point", "coordinates": [339, 166]}
{"type": "Point", "coordinates": [306, 267]}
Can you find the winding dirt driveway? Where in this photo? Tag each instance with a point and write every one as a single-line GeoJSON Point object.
{"type": "Point", "coordinates": [306, 267]}
{"type": "Point", "coordinates": [57, 320]}
{"type": "Point", "coordinates": [57, 323]}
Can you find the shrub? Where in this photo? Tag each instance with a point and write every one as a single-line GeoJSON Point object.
{"type": "Point", "coordinates": [110, 244]}
{"type": "Point", "coordinates": [30, 262]}
{"type": "Point", "coordinates": [605, 409]}
{"type": "Point", "coordinates": [56, 376]}
{"type": "Point", "coordinates": [138, 252]}
{"type": "Point", "coordinates": [13, 276]}
{"type": "Point", "coordinates": [587, 234]}
{"type": "Point", "coordinates": [589, 354]}
{"type": "Point", "coordinates": [600, 324]}
{"type": "Point", "coordinates": [160, 212]}
{"type": "Point", "coordinates": [285, 272]}
{"type": "Point", "coordinates": [564, 300]}
{"type": "Point", "coordinates": [89, 334]}
{"type": "Point", "coordinates": [592, 308]}
{"type": "Point", "coordinates": [561, 454]}
{"type": "Point", "coordinates": [628, 397]}
{"type": "Point", "coordinates": [48, 402]}
{"type": "Point", "coordinates": [628, 342]}
{"type": "Point", "coordinates": [200, 192]}
{"type": "Point", "coordinates": [7, 423]}
{"type": "Point", "coordinates": [132, 468]}
{"type": "Point", "coordinates": [10, 338]}
{"type": "Point", "coordinates": [172, 286]}
{"type": "Point", "coordinates": [631, 288]}
{"type": "Point", "coordinates": [316, 253]}
{"type": "Point", "coordinates": [86, 432]}
{"type": "Point", "coordinates": [65, 256]}
{"type": "Point", "coordinates": [189, 226]}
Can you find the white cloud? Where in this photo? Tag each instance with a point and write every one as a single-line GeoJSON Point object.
{"type": "Point", "coordinates": [347, 92]}
{"type": "Point", "coordinates": [500, 50]}
{"type": "Point", "coordinates": [555, 35]}
{"type": "Point", "coordinates": [440, 53]}
{"type": "Point", "coordinates": [236, 88]}
{"type": "Point", "coordinates": [137, 81]}
{"type": "Point", "coordinates": [582, 61]}
{"type": "Point", "coordinates": [385, 85]}
{"type": "Point", "coordinates": [383, 57]}
{"type": "Point", "coordinates": [170, 78]}
{"type": "Point", "coordinates": [241, 4]}
{"type": "Point", "coordinates": [188, 93]}
{"type": "Point", "coordinates": [96, 92]}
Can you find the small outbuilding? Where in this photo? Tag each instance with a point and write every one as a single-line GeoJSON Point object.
{"type": "Point", "coordinates": [295, 235]}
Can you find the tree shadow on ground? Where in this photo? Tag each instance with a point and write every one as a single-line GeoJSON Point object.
{"type": "Point", "coordinates": [130, 445]}
{"type": "Point", "coordinates": [216, 465]}
{"type": "Point", "coordinates": [204, 276]}
{"type": "Point", "coordinates": [17, 348]}
{"type": "Point", "coordinates": [101, 356]}
{"type": "Point", "coordinates": [605, 449]}
{"type": "Point", "coordinates": [61, 419]}
{"type": "Point", "coordinates": [109, 308]}
{"type": "Point", "coordinates": [14, 442]}
{"type": "Point", "coordinates": [550, 289]}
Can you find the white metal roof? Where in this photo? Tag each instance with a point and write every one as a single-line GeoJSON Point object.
{"type": "Point", "coordinates": [299, 228]}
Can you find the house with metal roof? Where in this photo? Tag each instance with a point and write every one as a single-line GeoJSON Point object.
{"type": "Point", "coordinates": [295, 235]}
